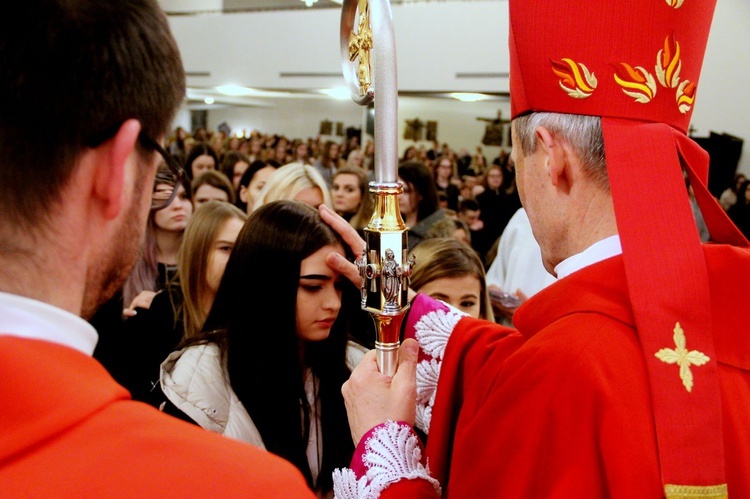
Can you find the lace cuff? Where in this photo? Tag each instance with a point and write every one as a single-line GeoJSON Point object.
{"type": "Point", "coordinates": [431, 323]}
{"type": "Point", "coordinates": [386, 454]}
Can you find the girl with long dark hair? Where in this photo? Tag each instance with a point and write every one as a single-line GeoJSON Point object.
{"type": "Point", "coordinates": [269, 365]}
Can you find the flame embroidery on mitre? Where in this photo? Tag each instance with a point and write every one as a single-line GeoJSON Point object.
{"type": "Point", "coordinates": [675, 3]}
{"type": "Point", "coordinates": [575, 78]}
{"type": "Point", "coordinates": [685, 96]}
{"type": "Point", "coordinates": [668, 63]}
{"type": "Point", "coordinates": [635, 82]}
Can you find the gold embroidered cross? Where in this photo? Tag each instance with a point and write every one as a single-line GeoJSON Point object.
{"type": "Point", "coordinates": [360, 44]}
{"type": "Point", "coordinates": [682, 357]}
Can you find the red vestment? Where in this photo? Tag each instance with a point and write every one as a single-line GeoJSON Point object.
{"type": "Point", "coordinates": [565, 409]}
{"type": "Point", "coordinates": [68, 430]}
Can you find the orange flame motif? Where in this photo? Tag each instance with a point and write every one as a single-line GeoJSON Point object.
{"type": "Point", "coordinates": [685, 96]}
{"type": "Point", "coordinates": [575, 78]}
{"type": "Point", "coordinates": [635, 82]}
{"type": "Point", "coordinates": [668, 63]}
{"type": "Point", "coordinates": [675, 3]}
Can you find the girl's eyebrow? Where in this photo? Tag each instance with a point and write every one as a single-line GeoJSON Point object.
{"type": "Point", "coordinates": [319, 277]}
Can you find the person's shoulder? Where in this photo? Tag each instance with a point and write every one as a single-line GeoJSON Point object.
{"type": "Point", "coordinates": [158, 452]}
{"type": "Point", "coordinates": [196, 368]}
{"type": "Point", "coordinates": [588, 347]}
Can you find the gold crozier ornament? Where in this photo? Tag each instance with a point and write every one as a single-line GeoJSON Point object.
{"type": "Point", "coordinates": [360, 44]}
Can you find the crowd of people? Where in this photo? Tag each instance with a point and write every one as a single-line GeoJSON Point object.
{"type": "Point", "coordinates": [214, 278]}
{"type": "Point", "coordinates": [438, 181]}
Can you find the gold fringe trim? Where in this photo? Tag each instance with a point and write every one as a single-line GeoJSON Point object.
{"type": "Point", "coordinates": [695, 491]}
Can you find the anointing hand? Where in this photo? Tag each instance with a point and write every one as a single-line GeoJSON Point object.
{"type": "Point", "coordinates": [350, 237]}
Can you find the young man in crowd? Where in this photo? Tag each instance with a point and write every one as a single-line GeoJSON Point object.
{"type": "Point", "coordinates": [105, 79]}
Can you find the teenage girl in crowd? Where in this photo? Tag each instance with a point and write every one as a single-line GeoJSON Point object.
{"type": "Point", "coordinates": [164, 231]}
{"type": "Point", "coordinates": [449, 270]}
{"type": "Point", "coordinates": [297, 182]}
{"type": "Point", "coordinates": [202, 157]}
{"type": "Point", "coordinates": [274, 379]}
{"type": "Point", "coordinates": [329, 161]}
{"type": "Point", "coordinates": [211, 185]}
{"type": "Point", "coordinates": [419, 200]}
{"type": "Point", "coordinates": [252, 182]}
{"type": "Point", "coordinates": [233, 165]}
{"type": "Point", "coordinates": [351, 196]}
{"type": "Point", "coordinates": [445, 171]}
{"type": "Point", "coordinates": [181, 308]}
{"type": "Point", "coordinates": [151, 273]}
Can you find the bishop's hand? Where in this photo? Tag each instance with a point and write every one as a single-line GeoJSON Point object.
{"type": "Point", "coordinates": [373, 398]}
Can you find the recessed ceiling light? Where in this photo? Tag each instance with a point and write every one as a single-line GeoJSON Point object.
{"type": "Point", "coordinates": [234, 90]}
{"type": "Point", "coordinates": [469, 97]}
{"type": "Point", "coordinates": [208, 100]}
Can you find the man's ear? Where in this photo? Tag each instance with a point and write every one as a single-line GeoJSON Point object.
{"type": "Point", "coordinates": [110, 174]}
{"type": "Point", "coordinates": [555, 156]}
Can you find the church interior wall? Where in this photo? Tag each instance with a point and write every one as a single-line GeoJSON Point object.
{"type": "Point", "coordinates": [438, 44]}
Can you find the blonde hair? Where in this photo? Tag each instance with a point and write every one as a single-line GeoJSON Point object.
{"type": "Point", "coordinates": [193, 258]}
{"type": "Point", "coordinates": [288, 181]}
{"type": "Point", "coordinates": [448, 257]}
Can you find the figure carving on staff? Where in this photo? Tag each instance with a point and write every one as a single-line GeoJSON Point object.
{"type": "Point", "coordinates": [392, 273]}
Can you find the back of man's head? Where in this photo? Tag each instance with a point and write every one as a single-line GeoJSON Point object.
{"type": "Point", "coordinates": [468, 205]}
{"type": "Point", "coordinates": [72, 72]}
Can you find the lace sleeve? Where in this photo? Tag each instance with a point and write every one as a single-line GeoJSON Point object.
{"type": "Point", "coordinates": [388, 453]}
{"type": "Point", "coordinates": [430, 322]}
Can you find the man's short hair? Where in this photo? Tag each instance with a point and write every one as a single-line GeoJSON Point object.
{"type": "Point", "coordinates": [468, 205]}
{"type": "Point", "coordinates": [582, 133]}
{"type": "Point", "coordinates": [72, 72]}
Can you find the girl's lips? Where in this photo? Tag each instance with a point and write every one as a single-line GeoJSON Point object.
{"type": "Point", "coordinates": [326, 322]}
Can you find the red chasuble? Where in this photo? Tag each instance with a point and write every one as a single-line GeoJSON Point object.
{"type": "Point", "coordinates": [568, 412]}
{"type": "Point", "coordinates": [68, 430]}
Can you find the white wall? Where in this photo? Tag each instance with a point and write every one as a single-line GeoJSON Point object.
{"type": "Point", "coordinates": [723, 98]}
{"type": "Point", "coordinates": [435, 40]}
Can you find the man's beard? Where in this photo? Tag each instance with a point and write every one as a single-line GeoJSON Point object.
{"type": "Point", "coordinates": [108, 274]}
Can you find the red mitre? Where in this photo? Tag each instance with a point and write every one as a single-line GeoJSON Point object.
{"type": "Point", "coordinates": [636, 64]}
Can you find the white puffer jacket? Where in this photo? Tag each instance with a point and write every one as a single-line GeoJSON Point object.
{"type": "Point", "coordinates": [195, 381]}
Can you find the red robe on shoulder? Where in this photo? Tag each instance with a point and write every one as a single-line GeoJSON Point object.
{"type": "Point", "coordinates": [565, 410]}
{"type": "Point", "coordinates": [68, 430]}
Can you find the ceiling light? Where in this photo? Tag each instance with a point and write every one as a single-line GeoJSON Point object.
{"type": "Point", "coordinates": [469, 97]}
{"type": "Point", "coordinates": [309, 3]}
{"type": "Point", "coordinates": [208, 100]}
{"type": "Point", "coordinates": [234, 90]}
{"type": "Point", "coordinates": [340, 93]}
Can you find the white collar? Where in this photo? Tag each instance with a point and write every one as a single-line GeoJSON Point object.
{"type": "Point", "coordinates": [28, 318]}
{"type": "Point", "coordinates": [600, 250]}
